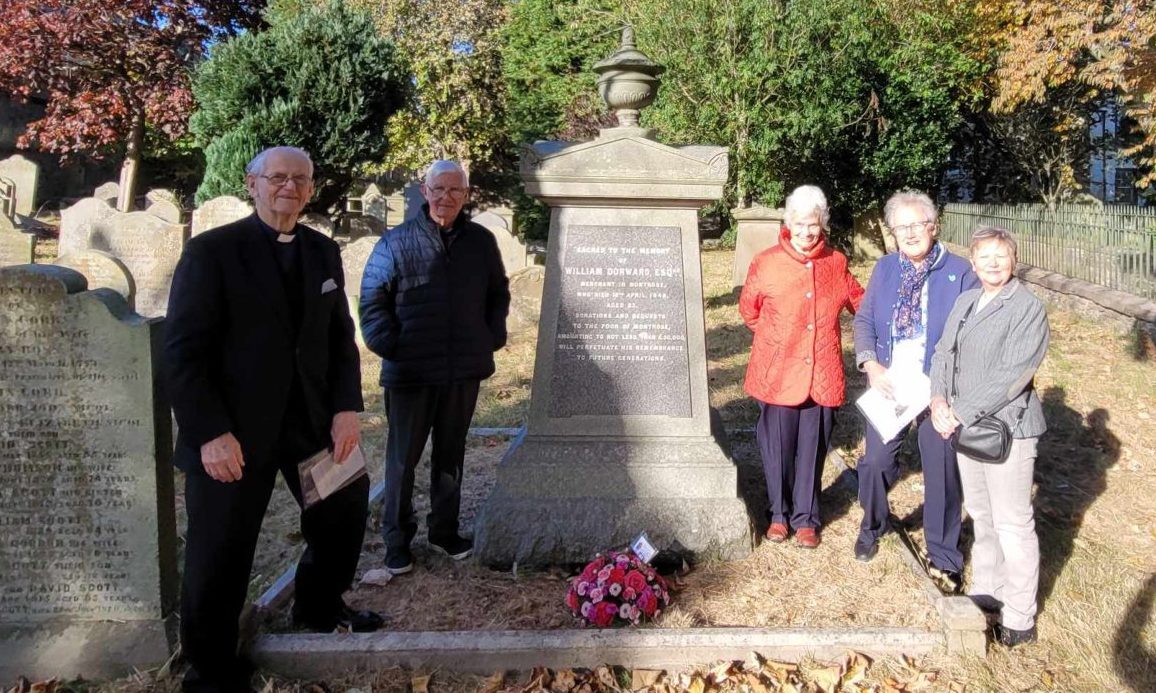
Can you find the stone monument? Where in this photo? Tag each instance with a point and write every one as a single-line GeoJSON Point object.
{"type": "Point", "coordinates": [16, 247]}
{"type": "Point", "coordinates": [78, 222]}
{"type": "Point", "coordinates": [513, 250]}
{"type": "Point", "coordinates": [150, 248]}
{"type": "Point", "coordinates": [758, 229]}
{"type": "Point", "coordinates": [621, 438]}
{"type": "Point", "coordinates": [88, 574]}
{"type": "Point", "coordinates": [25, 174]}
{"type": "Point", "coordinates": [218, 212]}
{"type": "Point", "coordinates": [102, 271]}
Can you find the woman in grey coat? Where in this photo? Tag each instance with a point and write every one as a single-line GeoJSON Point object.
{"type": "Point", "coordinates": [993, 342]}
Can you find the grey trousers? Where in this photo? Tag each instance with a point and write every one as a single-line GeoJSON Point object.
{"type": "Point", "coordinates": [1005, 559]}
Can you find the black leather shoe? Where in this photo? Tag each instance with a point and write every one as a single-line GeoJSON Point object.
{"type": "Point", "coordinates": [866, 548]}
{"type": "Point", "coordinates": [1011, 638]}
{"type": "Point", "coordinates": [346, 619]}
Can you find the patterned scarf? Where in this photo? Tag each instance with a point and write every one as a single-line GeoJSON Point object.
{"type": "Point", "coordinates": [909, 311]}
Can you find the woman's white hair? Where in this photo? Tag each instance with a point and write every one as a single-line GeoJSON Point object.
{"type": "Point", "coordinates": [257, 166]}
{"type": "Point", "coordinates": [441, 166]}
{"type": "Point", "coordinates": [913, 199]}
{"type": "Point", "coordinates": [805, 200]}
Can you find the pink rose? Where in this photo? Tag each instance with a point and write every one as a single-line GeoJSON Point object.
{"type": "Point", "coordinates": [647, 601]}
{"type": "Point", "coordinates": [604, 614]}
{"type": "Point", "coordinates": [597, 594]}
{"type": "Point", "coordinates": [635, 581]}
{"type": "Point", "coordinates": [582, 588]}
{"type": "Point", "coordinates": [622, 561]}
{"type": "Point", "coordinates": [629, 594]}
{"type": "Point", "coordinates": [604, 574]}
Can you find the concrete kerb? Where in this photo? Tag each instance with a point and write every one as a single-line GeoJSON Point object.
{"type": "Point", "coordinates": [312, 655]}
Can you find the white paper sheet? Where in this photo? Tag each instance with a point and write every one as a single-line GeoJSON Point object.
{"type": "Point", "coordinates": [889, 416]}
{"type": "Point", "coordinates": [326, 476]}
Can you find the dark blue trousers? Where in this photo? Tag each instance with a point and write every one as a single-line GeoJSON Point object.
{"type": "Point", "coordinates": [942, 493]}
{"type": "Point", "coordinates": [793, 441]}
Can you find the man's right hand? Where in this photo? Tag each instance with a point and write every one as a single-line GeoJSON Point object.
{"type": "Point", "coordinates": [222, 458]}
{"type": "Point", "coordinates": [877, 376]}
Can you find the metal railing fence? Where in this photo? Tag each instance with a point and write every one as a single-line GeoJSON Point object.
{"type": "Point", "coordinates": [1113, 246]}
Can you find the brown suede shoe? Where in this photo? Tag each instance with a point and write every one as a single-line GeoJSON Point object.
{"type": "Point", "coordinates": [777, 532]}
{"type": "Point", "coordinates": [807, 537]}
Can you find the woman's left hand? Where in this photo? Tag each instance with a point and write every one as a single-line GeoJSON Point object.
{"type": "Point", "coordinates": [942, 418]}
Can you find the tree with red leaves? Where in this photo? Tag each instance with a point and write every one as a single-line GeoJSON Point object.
{"type": "Point", "coordinates": [109, 69]}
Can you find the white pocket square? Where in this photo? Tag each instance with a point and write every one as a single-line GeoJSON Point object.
{"type": "Point", "coordinates": [328, 285]}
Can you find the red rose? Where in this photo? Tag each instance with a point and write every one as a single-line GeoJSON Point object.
{"type": "Point", "coordinates": [572, 600]}
{"type": "Point", "coordinates": [647, 602]}
{"type": "Point", "coordinates": [591, 570]}
{"type": "Point", "coordinates": [617, 575]}
{"type": "Point", "coordinates": [604, 613]}
{"type": "Point", "coordinates": [635, 581]}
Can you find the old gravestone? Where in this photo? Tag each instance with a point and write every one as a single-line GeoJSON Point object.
{"type": "Point", "coordinates": [102, 271]}
{"type": "Point", "coordinates": [218, 212]}
{"type": "Point", "coordinates": [357, 226]}
{"type": "Point", "coordinates": [87, 550]}
{"type": "Point", "coordinates": [620, 438]}
{"type": "Point", "coordinates": [25, 174]}
{"type": "Point", "coordinates": [109, 192]}
{"type": "Point", "coordinates": [78, 222]}
{"type": "Point", "coordinates": [317, 222]}
{"type": "Point", "coordinates": [16, 247]}
{"type": "Point", "coordinates": [758, 229]}
{"type": "Point", "coordinates": [513, 250]}
{"type": "Point", "coordinates": [166, 209]}
{"type": "Point", "coordinates": [353, 258]}
{"type": "Point", "coordinates": [150, 248]}
{"type": "Point", "coordinates": [526, 298]}
{"type": "Point", "coordinates": [374, 204]}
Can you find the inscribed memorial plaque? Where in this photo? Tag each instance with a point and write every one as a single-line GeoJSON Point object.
{"type": "Point", "coordinates": [78, 222]}
{"type": "Point", "coordinates": [621, 345]}
{"type": "Point", "coordinates": [86, 502]}
{"type": "Point", "coordinates": [150, 248]}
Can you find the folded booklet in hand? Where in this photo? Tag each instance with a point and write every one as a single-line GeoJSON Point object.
{"type": "Point", "coordinates": [321, 476]}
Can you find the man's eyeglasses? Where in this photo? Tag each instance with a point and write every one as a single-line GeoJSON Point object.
{"type": "Point", "coordinates": [911, 228]}
{"type": "Point", "coordinates": [279, 179]}
{"type": "Point", "coordinates": [439, 191]}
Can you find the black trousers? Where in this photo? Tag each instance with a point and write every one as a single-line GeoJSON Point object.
{"type": "Point", "coordinates": [793, 441]}
{"type": "Point", "coordinates": [942, 492]}
{"type": "Point", "coordinates": [414, 414]}
{"type": "Point", "coordinates": [224, 521]}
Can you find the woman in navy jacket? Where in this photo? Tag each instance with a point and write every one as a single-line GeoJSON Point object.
{"type": "Point", "coordinates": [909, 296]}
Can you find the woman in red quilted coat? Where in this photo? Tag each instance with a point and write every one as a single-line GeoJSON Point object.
{"type": "Point", "coordinates": [791, 300]}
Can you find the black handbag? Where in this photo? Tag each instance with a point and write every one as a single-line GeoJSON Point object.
{"type": "Point", "coordinates": [987, 440]}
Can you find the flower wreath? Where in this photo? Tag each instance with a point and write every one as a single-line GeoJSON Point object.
{"type": "Point", "coordinates": [617, 588]}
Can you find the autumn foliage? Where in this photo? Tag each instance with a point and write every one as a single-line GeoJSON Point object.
{"type": "Point", "coordinates": [107, 69]}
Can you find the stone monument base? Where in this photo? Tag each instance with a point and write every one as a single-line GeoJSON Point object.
{"type": "Point", "coordinates": [560, 500]}
{"type": "Point", "coordinates": [89, 649]}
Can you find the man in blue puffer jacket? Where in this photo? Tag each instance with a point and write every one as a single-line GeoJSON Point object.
{"type": "Point", "coordinates": [434, 300]}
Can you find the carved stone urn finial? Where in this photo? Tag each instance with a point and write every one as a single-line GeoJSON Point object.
{"type": "Point", "coordinates": [628, 80]}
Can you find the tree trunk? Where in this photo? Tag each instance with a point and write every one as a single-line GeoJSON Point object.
{"type": "Point", "coordinates": [128, 170]}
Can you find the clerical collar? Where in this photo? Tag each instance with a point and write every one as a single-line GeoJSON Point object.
{"type": "Point", "coordinates": [275, 234]}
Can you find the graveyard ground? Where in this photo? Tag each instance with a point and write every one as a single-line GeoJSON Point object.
{"type": "Point", "coordinates": [1097, 522]}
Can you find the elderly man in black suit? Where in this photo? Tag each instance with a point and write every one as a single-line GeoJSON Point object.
{"type": "Point", "coordinates": [263, 373]}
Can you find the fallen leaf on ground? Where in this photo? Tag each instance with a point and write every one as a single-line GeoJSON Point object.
{"type": "Point", "coordinates": [722, 672]}
{"type": "Point", "coordinates": [539, 679]}
{"type": "Point", "coordinates": [644, 678]}
{"type": "Point", "coordinates": [1047, 679]}
{"type": "Point", "coordinates": [494, 683]}
{"type": "Point", "coordinates": [855, 668]}
{"type": "Point", "coordinates": [564, 680]}
{"type": "Point", "coordinates": [827, 679]}
{"type": "Point", "coordinates": [419, 684]}
{"type": "Point", "coordinates": [377, 576]}
{"type": "Point", "coordinates": [697, 685]}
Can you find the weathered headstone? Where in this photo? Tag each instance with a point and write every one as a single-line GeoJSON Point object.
{"type": "Point", "coordinates": [353, 258]}
{"type": "Point", "coordinates": [218, 212]}
{"type": "Point", "coordinates": [758, 229]}
{"type": "Point", "coordinates": [159, 194]}
{"type": "Point", "coordinates": [109, 192]}
{"type": "Point", "coordinates": [150, 248]}
{"type": "Point", "coordinates": [16, 247]}
{"type": "Point", "coordinates": [361, 226]}
{"type": "Point", "coordinates": [25, 174]}
{"type": "Point", "coordinates": [7, 197]}
{"type": "Point", "coordinates": [395, 209]}
{"type": "Point", "coordinates": [166, 209]}
{"type": "Point", "coordinates": [103, 271]}
{"type": "Point", "coordinates": [620, 437]}
{"type": "Point", "coordinates": [513, 250]}
{"type": "Point", "coordinates": [78, 222]}
{"type": "Point", "coordinates": [526, 298]}
{"type": "Point", "coordinates": [317, 222]}
{"type": "Point", "coordinates": [88, 559]}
